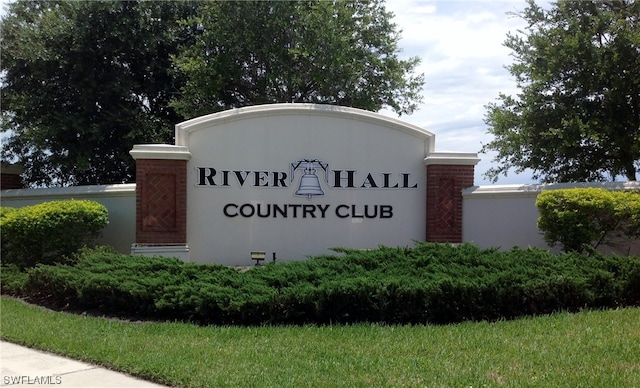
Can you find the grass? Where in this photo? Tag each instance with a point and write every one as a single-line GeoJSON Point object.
{"type": "Point", "coordinates": [586, 349]}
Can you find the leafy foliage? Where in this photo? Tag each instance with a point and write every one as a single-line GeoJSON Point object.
{"type": "Point", "coordinates": [431, 283]}
{"type": "Point", "coordinates": [580, 218]}
{"type": "Point", "coordinates": [83, 81]}
{"type": "Point", "coordinates": [5, 211]}
{"type": "Point", "coordinates": [255, 52]}
{"type": "Point", "coordinates": [49, 231]}
{"type": "Point", "coordinates": [577, 116]}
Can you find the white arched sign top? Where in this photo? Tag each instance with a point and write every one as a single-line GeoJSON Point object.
{"type": "Point", "coordinates": [294, 180]}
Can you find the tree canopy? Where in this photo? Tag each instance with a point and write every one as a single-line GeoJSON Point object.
{"type": "Point", "coordinates": [82, 82]}
{"type": "Point", "coordinates": [330, 52]}
{"type": "Point", "coordinates": [577, 115]}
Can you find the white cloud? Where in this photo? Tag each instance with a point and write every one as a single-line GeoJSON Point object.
{"type": "Point", "coordinates": [463, 59]}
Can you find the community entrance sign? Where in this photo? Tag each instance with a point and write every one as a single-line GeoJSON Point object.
{"type": "Point", "coordinates": [291, 180]}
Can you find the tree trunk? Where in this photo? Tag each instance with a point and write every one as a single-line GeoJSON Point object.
{"type": "Point", "coordinates": [631, 172]}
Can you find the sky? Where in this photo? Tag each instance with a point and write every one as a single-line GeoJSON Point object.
{"type": "Point", "coordinates": [460, 44]}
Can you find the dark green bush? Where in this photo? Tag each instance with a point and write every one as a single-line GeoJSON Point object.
{"type": "Point", "coordinates": [583, 218]}
{"type": "Point", "coordinates": [50, 231]}
{"type": "Point", "coordinates": [431, 283]}
{"type": "Point", "coordinates": [12, 279]}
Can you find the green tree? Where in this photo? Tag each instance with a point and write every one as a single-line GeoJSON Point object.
{"type": "Point", "coordinates": [331, 52]}
{"type": "Point", "coordinates": [82, 81]}
{"type": "Point", "coordinates": [577, 116]}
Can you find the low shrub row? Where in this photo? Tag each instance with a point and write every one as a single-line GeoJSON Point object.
{"type": "Point", "coordinates": [430, 283]}
{"type": "Point", "coordinates": [50, 231]}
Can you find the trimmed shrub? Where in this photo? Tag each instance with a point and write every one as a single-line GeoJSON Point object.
{"type": "Point", "coordinates": [628, 207]}
{"type": "Point", "coordinates": [431, 283]}
{"type": "Point", "coordinates": [582, 218]}
{"type": "Point", "coordinates": [12, 280]}
{"type": "Point", "coordinates": [49, 232]}
{"type": "Point", "coordinates": [5, 211]}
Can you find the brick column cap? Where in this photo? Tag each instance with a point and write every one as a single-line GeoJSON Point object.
{"type": "Point", "coordinates": [160, 151]}
{"type": "Point", "coordinates": [452, 158]}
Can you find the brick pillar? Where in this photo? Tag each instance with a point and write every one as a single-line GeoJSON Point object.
{"type": "Point", "coordinates": [10, 176]}
{"type": "Point", "coordinates": [447, 175]}
{"type": "Point", "coordinates": [161, 200]}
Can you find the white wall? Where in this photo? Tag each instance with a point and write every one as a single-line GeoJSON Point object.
{"type": "Point", "coordinates": [506, 216]}
{"type": "Point", "coordinates": [120, 201]}
{"type": "Point", "coordinates": [266, 140]}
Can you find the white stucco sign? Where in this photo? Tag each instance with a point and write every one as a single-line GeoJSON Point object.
{"type": "Point", "coordinates": [297, 179]}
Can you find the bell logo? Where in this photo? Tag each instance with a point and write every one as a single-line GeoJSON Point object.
{"type": "Point", "coordinates": [309, 182]}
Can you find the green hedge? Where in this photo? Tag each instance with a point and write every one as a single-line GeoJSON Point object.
{"type": "Point", "coordinates": [431, 283]}
{"type": "Point", "coordinates": [5, 211]}
{"type": "Point", "coordinates": [583, 218]}
{"type": "Point", "coordinates": [50, 231]}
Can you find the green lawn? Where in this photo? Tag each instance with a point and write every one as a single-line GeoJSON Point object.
{"type": "Point", "coordinates": [586, 349]}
